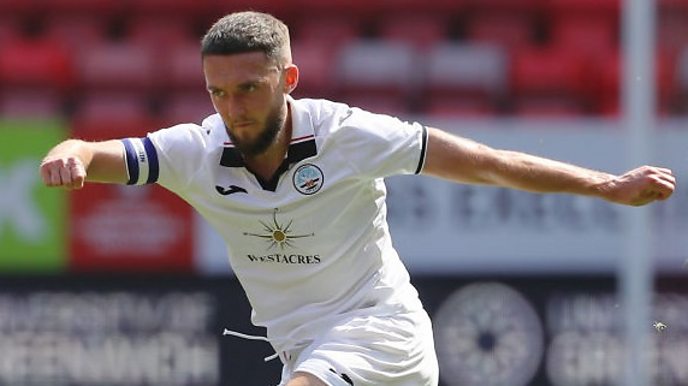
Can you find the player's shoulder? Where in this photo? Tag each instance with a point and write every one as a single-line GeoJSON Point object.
{"type": "Point", "coordinates": [190, 135]}
{"type": "Point", "coordinates": [320, 113]}
{"type": "Point", "coordinates": [211, 126]}
{"type": "Point", "coordinates": [330, 117]}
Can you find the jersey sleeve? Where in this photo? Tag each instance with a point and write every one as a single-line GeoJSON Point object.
{"type": "Point", "coordinates": [169, 157]}
{"type": "Point", "coordinates": [379, 145]}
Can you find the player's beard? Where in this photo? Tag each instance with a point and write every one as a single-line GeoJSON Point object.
{"type": "Point", "coordinates": [273, 124]}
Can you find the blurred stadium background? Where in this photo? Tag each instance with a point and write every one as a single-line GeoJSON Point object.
{"type": "Point", "coordinates": [127, 286]}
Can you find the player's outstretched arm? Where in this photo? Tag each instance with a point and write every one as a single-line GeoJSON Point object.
{"type": "Point", "coordinates": [462, 160]}
{"type": "Point", "coordinates": [73, 162]}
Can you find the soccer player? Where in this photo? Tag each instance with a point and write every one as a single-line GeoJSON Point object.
{"type": "Point", "coordinates": [295, 188]}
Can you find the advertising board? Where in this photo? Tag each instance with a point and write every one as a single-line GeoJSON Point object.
{"type": "Point", "coordinates": [32, 217]}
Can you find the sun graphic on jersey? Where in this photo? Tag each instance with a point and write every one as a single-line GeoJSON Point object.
{"type": "Point", "coordinates": [277, 234]}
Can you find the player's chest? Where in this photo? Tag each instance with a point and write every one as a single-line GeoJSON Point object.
{"type": "Point", "coordinates": [303, 182]}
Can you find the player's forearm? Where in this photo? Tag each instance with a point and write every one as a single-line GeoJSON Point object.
{"type": "Point", "coordinates": [72, 162]}
{"type": "Point", "coordinates": [107, 161]}
{"type": "Point", "coordinates": [463, 160]}
{"type": "Point", "coordinates": [527, 172]}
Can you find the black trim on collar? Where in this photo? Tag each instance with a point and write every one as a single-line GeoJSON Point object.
{"type": "Point", "coordinates": [231, 157]}
{"type": "Point", "coordinates": [271, 184]}
{"type": "Point", "coordinates": [301, 150]}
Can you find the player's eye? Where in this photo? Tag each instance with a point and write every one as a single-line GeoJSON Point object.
{"type": "Point", "coordinates": [251, 87]}
{"type": "Point", "coordinates": [216, 93]}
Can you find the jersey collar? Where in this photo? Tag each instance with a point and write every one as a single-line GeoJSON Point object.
{"type": "Point", "coordinates": [302, 143]}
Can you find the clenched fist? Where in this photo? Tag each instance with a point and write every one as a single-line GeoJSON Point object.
{"type": "Point", "coordinates": [641, 186]}
{"type": "Point", "coordinates": [63, 171]}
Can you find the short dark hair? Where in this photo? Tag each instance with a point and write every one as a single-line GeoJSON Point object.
{"type": "Point", "coordinates": [248, 32]}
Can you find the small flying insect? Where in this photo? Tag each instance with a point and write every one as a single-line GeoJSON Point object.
{"type": "Point", "coordinates": [659, 326]}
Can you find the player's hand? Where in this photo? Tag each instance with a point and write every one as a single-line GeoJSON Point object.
{"type": "Point", "coordinates": [641, 186]}
{"type": "Point", "coordinates": [63, 171]}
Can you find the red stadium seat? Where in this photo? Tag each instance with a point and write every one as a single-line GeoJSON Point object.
{"type": "Point", "coordinates": [99, 130]}
{"type": "Point", "coordinates": [15, 7]}
{"type": "Point", "coordinates": [9, 29]}
{"type": "Point", "coordinates": [183, 69]}
{"type": "Point", "coordinates": [548, 71]}
{"type": "Point", "coordinates": [675, 5]}
{"type": "Point", "coordinates": [106, 8]}
{"type": "Point", "coordinates": [374, 10]}
{"type": "Point", "coordinates": [77, 31]}
{"type": "Point", "coordinates": [422, 31]}
{"type": "Point", "coordinates": [586, 35]}
{"type": "Point", "coordinates": [610, 8]}
{"type": "Point", "coordinates": [505, 6]}
{"type": "Point", "coordinates": [101, 117]}
{"type": "Point", "coordinates": [281, 9]}
{"type": "Point", "coordinates": [665, 68]}
{"type": "Point", "coordinates": [608, 84]}
{"type": "Point", "coordinates": [333, 30]}
{"type": "Point", "coordinates": [118, 66]}
{"type": "Point", "coordinates": [186, 107]}
{"type": "Point", "coordinates": [679, 98]}
{"type": "Point", "coordinates": [344, 8]}
{"type": "Point", "coordinates": [41, 63]}
{"type": "Point", "coordinates": [315, 61]}
{"type": "Point", "coordinates": [681, 71]}
{"type": "Point", "coordinates": [161, 33]}
{"type": "Point", "coordinates": [510, 30]}
{"type": "Point", "coordinates": [102, 106]}
{"type": "Point", "coordinates": [189, 9]}
{"type": "Point", "coordinates": [438, 7]}
{"type": "Point", "coordinates": [608, 11]}
{"type": "Point", "coordinates": [611, 74]}
{"type": "Point", "coordinates": [672, 30]}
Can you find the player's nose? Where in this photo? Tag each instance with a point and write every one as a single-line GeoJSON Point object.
{"type": "Point", "coordinates": [234, 107]}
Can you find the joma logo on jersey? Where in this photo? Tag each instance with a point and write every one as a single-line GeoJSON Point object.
{"type": "Point", "coordinates": [278, 234]}
{"type": "Point", "coordinates": [308, 179]}
{"type": "Point", "coordinates": [230, 190]}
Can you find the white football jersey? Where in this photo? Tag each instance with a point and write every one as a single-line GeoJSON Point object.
{"type": "Point", "coordinates": [313, 244]}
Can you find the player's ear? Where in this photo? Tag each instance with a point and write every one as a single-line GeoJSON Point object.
{"type": "Point", "coordinates": [291, 78]}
